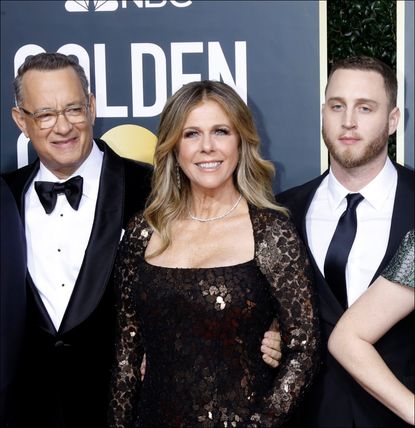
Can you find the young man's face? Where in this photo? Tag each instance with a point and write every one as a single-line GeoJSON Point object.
{"type": "Point", "coordinates": [356, 118]}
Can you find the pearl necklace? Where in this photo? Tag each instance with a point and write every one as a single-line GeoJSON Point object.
{"type": "Point", "coordinates": [204, 220]}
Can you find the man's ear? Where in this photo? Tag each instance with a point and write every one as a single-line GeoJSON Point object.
{"type": "Point", "coordinates": [20, 120]}
{"type": "Point", "coordinates": [394, 116]}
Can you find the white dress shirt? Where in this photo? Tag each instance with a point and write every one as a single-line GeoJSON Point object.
{"type": "Point", "coordinates": [374, 215]}
{"type": "Point", "coordinates": [56, 242]}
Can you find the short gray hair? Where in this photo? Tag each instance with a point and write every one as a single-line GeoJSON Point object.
{"type": "Point", "coordinates": [44, 62]}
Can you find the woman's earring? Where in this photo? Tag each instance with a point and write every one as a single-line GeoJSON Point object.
{"type": "Point", "coordinates": [179, 183]}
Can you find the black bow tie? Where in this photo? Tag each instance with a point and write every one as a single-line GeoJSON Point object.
{"type": "Point", "coordinates": [48, 192]}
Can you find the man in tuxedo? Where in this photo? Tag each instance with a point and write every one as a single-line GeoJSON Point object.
{"type": "Point", "coordinates": [358, 116]}
{"type": "Point", "coordinates": [12, 301]}
{"type": "Point", "coordinates": [75, 199]}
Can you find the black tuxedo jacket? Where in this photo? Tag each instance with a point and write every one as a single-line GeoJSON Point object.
{"type": "Point", "coordinates": [65, 375]}
{"type": "Point", "coordinates": [12, 300]}
{"type": "Point", "coordinates": [335, 399]}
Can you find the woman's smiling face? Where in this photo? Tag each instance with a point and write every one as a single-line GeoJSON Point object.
{"type": "Point", "coordinates": [208, 148]}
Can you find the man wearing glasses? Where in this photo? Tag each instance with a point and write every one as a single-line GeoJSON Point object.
{"type": "Point", "coordinates": [75, 200]}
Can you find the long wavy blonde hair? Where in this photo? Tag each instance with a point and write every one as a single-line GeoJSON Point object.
{"type": "Point", "coordinates": [252, 177]}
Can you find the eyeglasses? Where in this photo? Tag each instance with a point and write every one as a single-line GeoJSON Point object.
{"type": "Point", "coordinates": [47, 118]}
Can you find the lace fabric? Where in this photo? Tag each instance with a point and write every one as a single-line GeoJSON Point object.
{"type": "Point", "coordinates": [401, 267]}
{"type": "Point", "coordinates": [201, 330]}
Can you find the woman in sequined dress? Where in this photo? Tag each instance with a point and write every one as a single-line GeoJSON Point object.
{"type": "Point", "coordinates": [389, 299]}
{"type": "Point", "coordinates": [201, 274]}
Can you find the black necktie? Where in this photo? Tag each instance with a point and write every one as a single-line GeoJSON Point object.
{"type": "Point", "coordinates": [48, 192]}
{"type": "Point", "coordinates": [339, 249]}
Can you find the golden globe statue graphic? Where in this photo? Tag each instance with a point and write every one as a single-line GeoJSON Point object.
{"type": "Point", "coordinates": [132, 141]}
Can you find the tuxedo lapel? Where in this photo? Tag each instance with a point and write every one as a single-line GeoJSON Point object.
{"type": "Point", "coordinates": [19, 182]}
{"type": "Point", "coordinates": [41, 315]}
{"type": "Point", "coordinates": [100, 254]}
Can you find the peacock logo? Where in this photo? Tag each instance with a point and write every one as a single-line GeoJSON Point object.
{"type": "Point", "coordinates": [111, 5]}
{"type": "Point", "coordinates": [87, 5]}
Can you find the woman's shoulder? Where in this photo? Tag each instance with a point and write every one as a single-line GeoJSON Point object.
{"type": "Point", "coordinates": [138, 227]}
{"type": "Point", "coordinates": [277, 242]}
{"type": "Point", "coordinates": [268, 218]}
{"type": "Point", "coordinates": [408, 241]}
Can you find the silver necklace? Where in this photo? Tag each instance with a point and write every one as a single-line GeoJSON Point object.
{"type": "Point", "coordinates": [204, 220]}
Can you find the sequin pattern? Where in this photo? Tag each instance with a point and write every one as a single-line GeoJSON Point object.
{"type": "Point", "coordinates": [401, 267]}
{"type": "Point", "coordinates": [201, 330]}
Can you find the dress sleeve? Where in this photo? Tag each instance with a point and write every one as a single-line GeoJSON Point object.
{"type": "Point", "coordinates": [282, 258]}
{"type": "Point", "coordinates": [129, 349]}
{"type": "Point", "coordinates": [401, 267]}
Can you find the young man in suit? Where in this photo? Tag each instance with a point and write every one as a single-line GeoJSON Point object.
{"type": "Point", "coordinates": [75, 200]}
{"type": "Point", "coordinates": [358, 116]}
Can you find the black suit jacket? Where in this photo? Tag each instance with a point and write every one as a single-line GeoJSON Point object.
{"type": "Point", "coordinates": [12, 300]}
{"type": "Point", "coordinates": [336, 400]}
{"type": "Point", "coordinates": [66, 372]}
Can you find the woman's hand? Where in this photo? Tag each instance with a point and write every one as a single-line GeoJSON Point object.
{"type": "Point", "coordinates": [271, 346]}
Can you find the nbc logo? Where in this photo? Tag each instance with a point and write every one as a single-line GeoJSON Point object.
{"type": "Point", "coordinates": [85, 6]}
{"type": "Point", "coordinates": [111, 5]}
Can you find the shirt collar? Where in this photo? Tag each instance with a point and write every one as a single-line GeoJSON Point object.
{"type": "Point", "coordinates": [90, 171]}
{"type": "Point", "coordinates": [375, 193]}
{"type": "Point", "coordinates": [378, 190]}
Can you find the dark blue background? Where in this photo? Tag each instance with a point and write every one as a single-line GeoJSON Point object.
{"type": "Point", "coordinates": [283, 77]}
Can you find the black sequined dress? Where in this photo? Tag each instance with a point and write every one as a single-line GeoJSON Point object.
{"type": "Point", "coordinates": [201, 330]}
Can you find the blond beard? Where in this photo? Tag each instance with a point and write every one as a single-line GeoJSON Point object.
{"type": "Point", "coordinates": [348, 159]}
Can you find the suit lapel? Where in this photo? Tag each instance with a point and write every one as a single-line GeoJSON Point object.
{"type": "Point", "coordinates": [100, 254]}
{"type": "Point", "coordinates": [402, 221]}
{"type": "Point", "coordinates": [303, 206]}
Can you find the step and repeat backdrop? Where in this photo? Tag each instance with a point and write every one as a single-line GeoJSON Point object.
{"type": "Point", "coordinates": [137, 53]}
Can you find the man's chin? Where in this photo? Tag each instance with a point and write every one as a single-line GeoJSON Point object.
{"type": "Point", "coordinates": [348, 162]}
